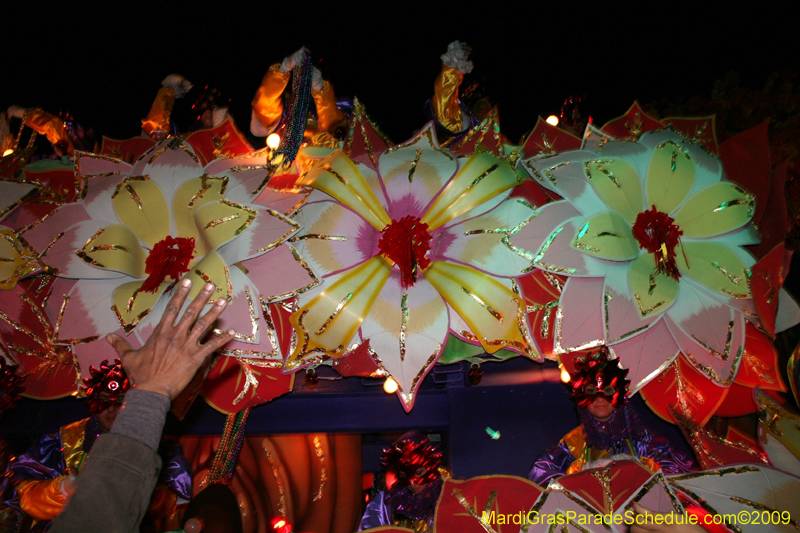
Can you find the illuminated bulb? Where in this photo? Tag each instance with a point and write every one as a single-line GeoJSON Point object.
{"type": "Point", "coordinates": [564, 374]}
{"type": "Point", "coordinates": [552, 120]}
{"type": "Point", "coordinates": [8, 151]}
{"type": "Point", "coordinates": [273, 140]}
{"type": "Point", "coordinates": [390, 386]}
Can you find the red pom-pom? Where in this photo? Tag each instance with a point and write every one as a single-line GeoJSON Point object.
{"type": "Point", "coordinates": [168, 259]}
{"type": "Point", "coordinates": [656, 233]}
{"type": "Point", "coordinates": [406, 242]}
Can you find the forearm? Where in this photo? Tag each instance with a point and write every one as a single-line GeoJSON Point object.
{"type": "Point", "coordinates": [445, 104]}
{"type": "Point", "coordinates": [267, 104]}
{"type": "Point", "coordinates": [115, 486]}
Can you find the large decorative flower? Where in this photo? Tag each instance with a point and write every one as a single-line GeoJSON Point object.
{"type": "Point", "coordinates": [185, 208]}
{"type": "Point", "coordinates": [650, 237]}
{"type": "Point", "coordinates": [409, 249]}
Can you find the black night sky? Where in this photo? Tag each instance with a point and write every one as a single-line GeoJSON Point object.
{"type": "Point", "coordinates": [104, 61]}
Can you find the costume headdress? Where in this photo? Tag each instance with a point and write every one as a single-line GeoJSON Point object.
{"type": "Point", "coordinates": [109, 381]}
{"type": "Point", "coordinates": [596, 374]}
{"type": "Point", "coordinates": [413, 459]}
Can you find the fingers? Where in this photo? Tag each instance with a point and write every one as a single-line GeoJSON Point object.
{"type": "Point", "coordinates": [120, 345]}
{"type": "Point", "coordinates": [216, 343]}
{"type": "Point", "coordinates": [195, 308]}
{"type": "Point", "coordinates": [205, 321]}
{"type": "Point", "coordinates": [175, 303]}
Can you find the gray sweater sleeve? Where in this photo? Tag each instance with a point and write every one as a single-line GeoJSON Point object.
{"type": "Point", "coordinates": [115, 486]}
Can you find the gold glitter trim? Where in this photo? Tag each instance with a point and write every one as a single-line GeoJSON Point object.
{"type": "Point", "coordinates": [403, 325]}
{"type": "Point", "coordinates": [294, 226]}
{"type": "Point", "coordinates": [558, 348]}
{"type": "Point", "coordinates": [336, 312]}
{"type": "Point", "coordinates": [644, 312]}
{"type": "Point", "coordinates": [323, 476]}
{"type": "Point", "coordinates": [414, 164]}
{"type": "Point", "coordinates": [314, 279]}
{"type": "Point", "coordinates": [318, 236]}
{"type": "Point", "coordinates": [483, 304]}
{"type": "Point", "coordinates": [459, 496]}
{"type": "Point", "coordinates": [724, 355]}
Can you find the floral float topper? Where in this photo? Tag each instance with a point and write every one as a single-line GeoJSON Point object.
{"type": "Point", "coordinates": [141, 227]}
{"type": "Point", "coordinates": [650, 235]}
{"type": "Point", "coordinates": [410, 249]}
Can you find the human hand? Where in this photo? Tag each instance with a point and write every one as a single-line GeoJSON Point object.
{"type": "Point", "coordinates": [456, 57]}
{"type": "Point", "coordinates": [171, 356]}
{"type": "Point", "coordinates": [293, 60]}
{"type": "Point", "coordinates": [679, 523]}
{"type": "Point", "coordinates": [317, 83]}
{"type": "Point", "coordinates": [16, 111]}
{"type": "Point", "coordinates": [69, 483]}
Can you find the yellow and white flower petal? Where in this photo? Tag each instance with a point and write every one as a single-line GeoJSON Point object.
{"type": "Point", "coordinates": [616, 181]}
{"type": "Point", "coordinates": [607, 236]}
{"type": "Point", "coordinates": [482, 177]}
{"type": "Point", "coordinates": [266, 232]}
{"type": "Point", "coordinates": [63, 256]}
{"type": "Point", "coordinates": [211, 269]}
{"type": "Point", "coordinates": [14, 192]}
{"type": "Point", "coordinates": [140, 204]}
{"type": "Point", "coordinates": [489, 308]}
{"type": "Point", "coordinates": [340, 178]}
{"type": "Point", "coordinates": [171, 163]}
{"type": "Point", "coordinates": [16, 260]}
{"type": "Point", "coordinates": [716, 210]}
{"type": "Point", "coordinates": [98, 177]}
{"type": "Point", "coordinates": [565, 174]}
{"type": "Point", "coordinates": [115, 248]}
{"type": "Point", "coordinates": [621, 316]}
{"type": "Point", "coordinates": [327, 323]}
{"type": "Point", "coordinates": [222, 221]}
{"type": "Point", "coordinates": [653, 293]}
{"type": "Point", "coordinates": [190, 197]}
{"type": "Point", "coordinates": [483, 242]}
{"type": "Point", "coordinates": [413, 173]}
{"type": "Point", "coordinates": [406, 331]}
{"type": "Point", "coordinates": [716, 267]}
{"type": "Point", "coordinates": [670, 176]}
{"type": "Point", "coordinates": [707, 167]}
{"type": "Point", "coordinates": [333, 238]}
{"type": "Point", "coordinates": [131, 305]}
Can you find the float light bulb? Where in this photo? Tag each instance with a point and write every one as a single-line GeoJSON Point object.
{"type": "Point", "coordinates": [390, 386]}
{"type": "Point", "coordinates": [8, 152]}
{"type": "Point", "coordinates": [552, 120]}
{"type": "Point", "coordinates": [273, 140]}
{"type": "Point", "coordinates": [564, 374]}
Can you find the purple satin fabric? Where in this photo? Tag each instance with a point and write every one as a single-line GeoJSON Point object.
{"type": "Point", "coordinates": [555, 461]}
{"type": "Point", "coordinates": [377, 513]}
{"type": "Point", "coordinates": [177, 474]}
{"type": "Point", "coordinates": [399, 503]}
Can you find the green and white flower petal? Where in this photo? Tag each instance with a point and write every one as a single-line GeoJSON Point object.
{"type": "Point", "coordinates": [607, 236]}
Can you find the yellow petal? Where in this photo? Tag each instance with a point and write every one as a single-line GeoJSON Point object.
{"type": "Point", "coordinates": [190, 197]}
{"type": "Point", "coordinates": [115, 248]}
{"type": "Point", "coordinates": [140, 205]}
{"type": "Point", "coordinates": [617, 183]}
{"type": "Point", "coordinates": [608, 236]}
{"type": "Point", "coordinates": [652, 292]}
{"type": "Point", "coordinates": [481, 178]}
{"type": "Point", "coordinates": [670, 177]}
{"type": "Point", "coordinates": [339, 177]}
{"type": "Point", "coordinates": [489, 308]}
{"type": "Point", "coordinates": [716, 267]}
{"type": "Point", "coordinates": [718, 209]}
{"type": "Point", "coordinates": [330, 320]}
{"type": "Point", "coordinates": [16, 260]}
{"type": "Point", "coordinates": [221, 221]}
{"type": "Point", "coordinates": [131, 305]}
{"type": "Point", "coordinates": [211, 269]}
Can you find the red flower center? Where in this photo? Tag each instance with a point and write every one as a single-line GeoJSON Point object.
{"type": "Point", "coordinates": [656, 232]}
{"type": "Point", "coordinates": [406, 241]}
{"type": "Point", "coordinates": [168, 259]}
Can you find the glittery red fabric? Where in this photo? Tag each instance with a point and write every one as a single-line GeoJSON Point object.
{"type": "Point", "coordinates": [412, 461]}
{"type": "Point", "coordinates": [168, 258]}
{"type": "Point", "coordinates": [111, 380]}
{"type": "Point", "coordinates": [656, 233]}
{"type": "Point", "coordinates": [406, 242]}
{"type": "Point", "coordinates": [596, 370]}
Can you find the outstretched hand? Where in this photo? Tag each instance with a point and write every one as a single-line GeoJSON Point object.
{"type": "Point", "coordinates": [171, 356]}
